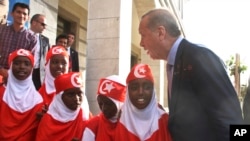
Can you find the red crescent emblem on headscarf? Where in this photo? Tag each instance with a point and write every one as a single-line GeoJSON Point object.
{"type": "Point", "coordinates": [56, 50]}
{"type": "Point", "coordinates": [23, 52]}
{"type": "Point", "coordinates": [105, 86]}
{"type": "Point", "coordinates": [140, 71]}
{"type": "Point", "coordinates": [76, 81]}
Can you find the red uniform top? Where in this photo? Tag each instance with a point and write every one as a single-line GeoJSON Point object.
{"type": "Point", "coordinates": [47, 98]}
{"type": "Point", "coordinates": [51, 129]}
{"type": "Point", "coordinates": [99, 129]}
{"type": "Point", "coordinates": [16, 125]}
{"type": "Point", "coordinates": [161, 134]}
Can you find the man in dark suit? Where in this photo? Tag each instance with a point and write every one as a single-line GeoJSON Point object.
{"type": "Point", "coordinates": [72, 53]}
{"type": "Point", "coordinates": [246, 105]}
{"type": "Point", "coordinates": [202, 100]}
{"type": "Point", "coordinates": [37, 26]}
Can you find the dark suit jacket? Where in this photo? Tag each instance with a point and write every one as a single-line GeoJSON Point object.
{"type": "Point", "coordinates": [38, 73]}
{"type": "Point", "coordinates": [246, 106]}
{"type": "Point", "coordinates": [203, 101]}
{"type": "Point", "coordinates": [75, 61]}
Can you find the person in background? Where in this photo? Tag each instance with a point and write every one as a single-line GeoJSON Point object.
{"type": "Point", "coordinates": [56, 64]}
{"type": "Point", "coordinates": [15, 36]}
{"type": "Point", "coordinates": [202, 100]}
{"type": "Point", "coordinates": [142, 119]}
{"type": "Point", "coordinates": [4, 9]}
{"type": "Point", "coordinates": [73, 54]}
{"type": "Point", "coordinates": [37, 26]}
{"type": "Point", "coordinates": [110, 97]}
{"type": "Point", "coordinates": [68, 112]}
{"type": "Point", "coordinates": [19, 100]}
{"type": "Point", "coordinates": [62, 40]}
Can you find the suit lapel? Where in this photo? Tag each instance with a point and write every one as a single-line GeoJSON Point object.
{"type": "Point", "coordinates": [177, 75]}
{"type": "Point", "coordinates": [41, 45]}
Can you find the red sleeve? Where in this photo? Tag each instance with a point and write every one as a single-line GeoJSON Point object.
{"type": "Point", "coordinates": [93, 124]}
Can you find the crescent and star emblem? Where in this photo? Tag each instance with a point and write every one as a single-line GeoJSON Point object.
{"type": "Point", "coordinates": [140, 71]}
{"type": "Point", "coordinates": [23, 52]}
{"type": "Point", "coordinates": [76, 81]}
{"type": "Point", "coordinates": [56, 50]}
{"type": "Point", "coordinates": [108, 87]}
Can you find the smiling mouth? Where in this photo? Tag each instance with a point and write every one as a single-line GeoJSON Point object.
{"type": "Point", "coordinates": [59, 72]}
{"type": "Point", "coordinates": [140, 100]}
{"type": "Point", "coordinates": [21, 73]}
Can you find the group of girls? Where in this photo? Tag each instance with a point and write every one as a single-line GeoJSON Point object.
{"type": "Point", "coordinates": [60, 110]}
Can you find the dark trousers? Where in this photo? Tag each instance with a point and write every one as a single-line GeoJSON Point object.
{"type": "Point", "coordinates": [36, 78]}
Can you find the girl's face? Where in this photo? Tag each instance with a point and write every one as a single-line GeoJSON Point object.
{"type": "Point", "coordinates": [72, 98]}
{"type": "Point", "coordinates": [140, 92]}
{"type": "Point", "coordinates": [21, 67]}
{"type": "Point", "coordinates": [58, 65]}
{"type": "Point", "coordinates": [107, 106]}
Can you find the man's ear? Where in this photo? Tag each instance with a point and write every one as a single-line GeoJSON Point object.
{"type": "Point", "coordinates": [161, 32]}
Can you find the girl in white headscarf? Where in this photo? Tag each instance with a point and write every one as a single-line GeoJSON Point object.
{"type": "Point", "coordinates": [68, 112]}
{"type": "Point", "coordinates": [19, 100]}
{"type": "Point", "coordinates": [110, 97]}
{"type": "Point", "coordinates": [141, 118]}
{"type": "Point", "coordinates": [57, 62]}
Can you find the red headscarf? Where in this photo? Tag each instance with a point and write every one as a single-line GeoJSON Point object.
{"type": "Point", "coordinates": [67, 81]}
{"type": "Point", "coordinates": [140, 71]}
{"type": "Point", "coordinates": [112, 87]}
{"type": "Point", "coordinates": [54, 51]}
{"type": "Point", "coordinates": [21, 52]}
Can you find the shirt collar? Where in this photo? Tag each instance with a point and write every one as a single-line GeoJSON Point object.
{"type": "Point", "coordinates": [37, 34]}
{"type": "Point", "coordinates": [173, 51]}
{"type": "Point", "coordinates": [23, 29]}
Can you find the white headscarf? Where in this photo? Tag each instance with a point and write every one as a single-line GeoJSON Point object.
{"type": "Point", "coordinates": [118, 105]}
{"type": "Point", "coordinates": [113, 87]}
{"type": "Point", "coordinates": [49, 80]}
{"type": "Point", "coordinates": [133, 118]}
{"type": "Point", "coordinates": [21, 95]}
{"type": "Point", "coordinates": [59, 111]}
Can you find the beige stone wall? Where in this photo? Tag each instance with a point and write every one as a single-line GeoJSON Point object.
{"type": "Point", "coordinates": [109, 44]}
{"type": "Point", "coordinates": [102, 38]}
{"type": "Point", "coordinates": [72, 11]}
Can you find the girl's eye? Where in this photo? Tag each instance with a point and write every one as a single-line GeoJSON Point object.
{"type": "Point", "coordinates": [147, 87]}
{"type": "Point", "coordinates": [133, 87]}
{"type": "Point", "coordinates": [54, 62]}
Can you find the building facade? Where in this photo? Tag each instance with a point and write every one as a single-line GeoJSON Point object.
{"type": "Point", "coordinates": [107, 37]}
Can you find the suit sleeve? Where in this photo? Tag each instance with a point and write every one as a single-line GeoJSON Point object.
{"type": "Point", "coordinates": [246, 107]}
{"type": "Point", "coordinates": [77, 62]}
{"type": "Point", "coordinates": [216, 92]}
